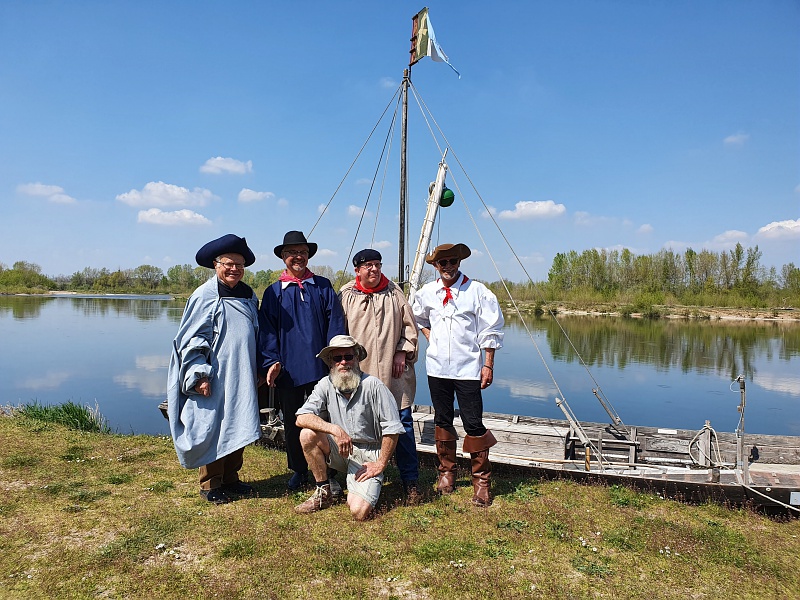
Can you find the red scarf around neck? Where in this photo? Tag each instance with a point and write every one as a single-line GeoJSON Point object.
{"type": "Point", "coordinates": [382, 285]}
{"type": "Point", "coordinates": [448, 295]}
{"type": "Point", "coordinates": [286, 276]}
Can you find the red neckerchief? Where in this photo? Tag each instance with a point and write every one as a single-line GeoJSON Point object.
{"type": "Point", "coordinates": [382, 285]}
{"type": "Point", "coordinates": [448, 295]}
{"type": "Point", "coordinates": [286, 276]}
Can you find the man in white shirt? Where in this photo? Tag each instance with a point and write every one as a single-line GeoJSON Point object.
{"type": "Point", "coordinates": [460, 318]}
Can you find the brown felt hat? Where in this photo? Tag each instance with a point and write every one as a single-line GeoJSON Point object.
{"type": "Point", "coordinates": [460, 251]}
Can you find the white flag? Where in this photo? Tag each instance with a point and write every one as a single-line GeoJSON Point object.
{"type": "Point", "coordinates": [426, 44]}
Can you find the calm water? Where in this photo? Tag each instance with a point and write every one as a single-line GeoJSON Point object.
{"type": "Point", "coordinates": [115, 351]}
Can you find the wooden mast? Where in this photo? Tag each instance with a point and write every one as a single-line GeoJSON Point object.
{"type": "Point", "coordinates": [401, 270]}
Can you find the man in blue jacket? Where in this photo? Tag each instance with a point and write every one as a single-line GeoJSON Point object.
{"type": "Point", "coordinates": [299, 315]}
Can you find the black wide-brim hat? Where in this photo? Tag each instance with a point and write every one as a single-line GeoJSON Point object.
{"type": "Point", "coordinates": [295, 238]}
{"type": "Point", "coordinates": [227, 244]}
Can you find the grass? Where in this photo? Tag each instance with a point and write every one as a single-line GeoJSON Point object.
{"type": "Point", "coordinates": [69, 414]}
{"type": "Point", "coordinates": [87, 514]}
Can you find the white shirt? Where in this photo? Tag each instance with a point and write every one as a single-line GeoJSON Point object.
{"type": "Point", "coordinates": [459, 329]}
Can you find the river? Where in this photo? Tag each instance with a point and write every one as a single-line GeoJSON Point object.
{"type": "Point", "coordinates": [113, 352]}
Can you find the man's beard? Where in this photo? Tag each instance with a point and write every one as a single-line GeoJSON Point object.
{"type": "Point", "coordinates": [346, 381]}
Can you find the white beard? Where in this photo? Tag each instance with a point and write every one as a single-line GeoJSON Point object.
{"type": "Point", "coordinates": [346, 382]}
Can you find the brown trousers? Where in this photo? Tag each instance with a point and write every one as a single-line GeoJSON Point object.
{"type": "Point", "coordinates": [222, 470]}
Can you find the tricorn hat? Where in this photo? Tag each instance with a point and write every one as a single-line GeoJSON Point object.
{"type": "Point", "coordinates": [460, 251]}
{"type": "Point", "coordinates": [295, 238]}
{"type": "Point", "coordinates": [342, 342]}
{"type": "Point", "coordinates": [227, 244]}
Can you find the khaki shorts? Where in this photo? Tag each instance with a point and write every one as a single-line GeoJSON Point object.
{"type": "Point", "coordinates": [369, 490]}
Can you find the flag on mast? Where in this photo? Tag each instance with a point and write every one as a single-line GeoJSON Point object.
{"type": "Point", "coordinates": [423, 41]}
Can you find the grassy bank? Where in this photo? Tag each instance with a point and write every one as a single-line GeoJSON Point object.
{"type": "Point", "coordinates": [87, 515]}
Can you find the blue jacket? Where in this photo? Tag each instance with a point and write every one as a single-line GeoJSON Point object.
{"type": "Point", "coordinates": [295, 325]}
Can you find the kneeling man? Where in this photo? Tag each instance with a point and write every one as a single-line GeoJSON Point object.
{"type": "Point", "coordinates": [349, 422]}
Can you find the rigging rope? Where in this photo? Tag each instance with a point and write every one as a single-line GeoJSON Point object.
{"type": "Point", "coordinates": [421, 102]}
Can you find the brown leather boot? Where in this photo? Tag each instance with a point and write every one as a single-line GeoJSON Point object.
{"type": "Point", "coordinates": [446, 451]}
{"type": "Point", "coordinates": [478, 448]}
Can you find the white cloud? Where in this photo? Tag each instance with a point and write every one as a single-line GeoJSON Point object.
{"type": "Point", "coordinates": [53, 193]}
{"type": "Point", "coordinates": [321, 208]}
{"type": "Point", "coordinates": [156, 216]}
{"type": "Point", "coordinates": [490, 211]}
{"type": "Point", "coordinates": [723, 241]}
{"type": "Point", "coordinates": [219, 165]}
{"type": "Point", "coordinates": [780, 230]}
{"type": "Point", "coordinates": [324, 252]}
{"type": "Point", "coordinates": [283, 203]}
{"type": "Point", "coordinates": [535, 258]}
{"type": "Point", "coordinates": [388, 83]}
{"type": "Point", "coordinates": [363, 181]}
{"type": "Point", "coordinates": [166, 195]}
{"type": "Point", "coordinates": [49, 381]}
{"type": "Point", "coordinates": [645, 228]}
{"type": "Point", "coordinates": [785, 384]}
{"type": "Point", "coordinates": [585, 219]}
{"type": "Point", "coordinates": [476, 253]}
{"type": "Point", "coordinates": [737, 139]}
{"type": "Point", "coordinates": [355, 211]}
{"type": "Point", "coordinates": [152, 385]}
{"type": "Point", "coordinates": [729, 237]}
{"type": "Point", "coordinates": [247, 195]}
{"type": "Point", "coordinates": [152, 362]}
{"type": "Point", "coordinates": [383, 244]}
{"type": "Point", "coordinates": [528, 209]}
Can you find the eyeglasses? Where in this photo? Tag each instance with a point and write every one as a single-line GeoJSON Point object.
{"type": "Point", "coordinates": [375, 265]}
{"type": "Point", "coordinates": [447, 261]}
{"type": "Point", "coordinates": [288, 253]}
{"type": "Point", "coordinates": [230, 266]}
{"type": "Point", "coordinates": [337, 358]}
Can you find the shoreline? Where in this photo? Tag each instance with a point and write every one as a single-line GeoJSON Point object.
{"type": "Point", "coordinates": [699, 313]}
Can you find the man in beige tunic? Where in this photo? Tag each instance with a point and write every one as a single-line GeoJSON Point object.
{"type": "Point", "coordinates": [378, 315]}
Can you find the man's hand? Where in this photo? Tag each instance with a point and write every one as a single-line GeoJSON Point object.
{"type": "Point", "coordinates": [344, 442]}
{"type": "Point", "coordinates": [399, 364]}
{"type": "Point", "coordinates": [272, 374]}
{"type": "Point", "coordinates": [427, 333]}
{"type": "Point", "coordinates": [203, 387]}
{"type": "Point", "coordinates": [368, 470]}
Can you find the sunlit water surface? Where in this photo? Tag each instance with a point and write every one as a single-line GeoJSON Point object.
{"type": "Point", "coordinates": [114, 352]}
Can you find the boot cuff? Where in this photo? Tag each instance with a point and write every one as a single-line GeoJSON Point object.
{"type": "Point", "coordinates": [479, 444]}
{"type": "Point", "coordinates": [444, 435]}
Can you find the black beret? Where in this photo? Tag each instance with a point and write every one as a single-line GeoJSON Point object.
{"type": "Point", "coordinates": [227, 244]}
{"type": "Point", "coordinates": [363, 256]}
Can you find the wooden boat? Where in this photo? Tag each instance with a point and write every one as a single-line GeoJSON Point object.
{"type": "Point", "coordinates": [738, 468]}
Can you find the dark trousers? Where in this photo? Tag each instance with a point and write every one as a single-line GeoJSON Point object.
{"type": "Point", "coordinates": [406, 451]}
{"type": "Point", "coordinates": [222, 470]}
{"type": "Point", "coordinates": [470, 403]}
{"type": "Point", "coordinates": [291, 399]}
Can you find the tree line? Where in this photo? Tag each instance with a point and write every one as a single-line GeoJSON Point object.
{"type": "Point", "coordinates": [727, 278]}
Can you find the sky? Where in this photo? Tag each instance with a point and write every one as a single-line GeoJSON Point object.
{"type": "Point", "coordinates": [133, 132]}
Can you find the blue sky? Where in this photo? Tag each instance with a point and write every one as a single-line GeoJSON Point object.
{"type": "Point", "coordinates": [134, 132]}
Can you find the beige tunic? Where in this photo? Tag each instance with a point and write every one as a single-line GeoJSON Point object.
{"type": "Point", "coordinates": [382, 322]}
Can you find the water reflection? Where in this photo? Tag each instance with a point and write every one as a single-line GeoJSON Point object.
{"type": "Point", "coordinates": [726, 349]}
{"type": "Point", "coordinates": [114, 351]}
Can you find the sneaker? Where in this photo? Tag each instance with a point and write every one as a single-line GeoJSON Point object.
{"type": "Point", "coordinates": [238, 488]}
{"type": "Point", "coordinates": [336, 489]}
{"type": "Point", "coordinates": [297, 482]}
{"type": "Point", "coordinates": [319, 500]}
{"type": "Point", "coordinates": [215, 496]}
